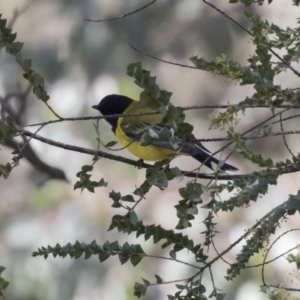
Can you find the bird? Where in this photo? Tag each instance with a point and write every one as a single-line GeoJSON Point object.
{"type": "Point", "coordinates": [129, 130]}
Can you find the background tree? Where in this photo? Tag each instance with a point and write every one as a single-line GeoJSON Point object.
{"type": "Point", "coordinates": [221, 224]}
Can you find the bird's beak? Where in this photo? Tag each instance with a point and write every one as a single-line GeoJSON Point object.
{"type": "Point", "coordinates": [95, 106]}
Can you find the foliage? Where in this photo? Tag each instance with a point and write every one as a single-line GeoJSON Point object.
{"type": "Point", "coordinates": [7, 40]}
{"type": "Point", "coordinates": [3, 283]}
{"type": "Point", "coordinates": [8, 131]}
{"type": "Point", "coordinates": [85, 182]}
{"type": "Point", "coordinates": [242, 190]}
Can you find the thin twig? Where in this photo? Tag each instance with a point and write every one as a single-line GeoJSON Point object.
{"type": "Point", "coordinates": [51, 109]}
{"type": "Point", "coordinates": [224, 106]}
{"type": "Point", "coordinates": [162, 60]}
{"type": "Point", "coordinates": [284, 138]}
{"type": "Point", "coordinates": [123, 16]}
{"type": "Point", "coordinates": [284, 119]}
{"type": "Point", "coordinates": [28, 141]}
{"type": "Point", "coordinates": [265, 257]}
{"type": "Point", "coordinates": [215, 292]}
{"type": "Point", "coordinates": [271, 260]}
{"type": "Point", "coordinates": [249, 231]}
{"type": "Point", "coordinates": [172, 259]}
{"type": "Point", "coordinates": [19, 12]}
{"type": "Point", "coordinates": [169, 282]}
{"type": "Point", "coordinates": [218, 253]}
{"type": "Point", "coordinates": [282, 287]}
{"type": "Point", "coordinates": [141, 198]}
{"type": "Point", "coordinates": [268, 119]}
{"type": "Point", "coordinates": [92, 118]}
{"type": "Point", "coordinates": [157, 112]}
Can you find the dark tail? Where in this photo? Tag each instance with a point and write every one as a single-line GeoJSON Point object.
{"type": "Point", "coordinates": [206, 159]}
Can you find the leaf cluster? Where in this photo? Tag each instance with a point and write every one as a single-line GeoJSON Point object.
{"type": "Point", "coordinates": [7, 40]}
{"type": "Point", "coordinates": [7, 132]}
{"type": "Point", "coordinates": [126, 252]}
{"type": "Point", "coordinates": [266, 227]}
{"type": "Point", "coordinates": [85, 181]}
{"type": "Point", "coordinates": [3, 283]}
{"type": "Point", "coordinates": [152, 96]}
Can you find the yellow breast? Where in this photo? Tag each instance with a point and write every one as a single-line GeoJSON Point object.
{"type": "Point", "coordinates": [150, 152]}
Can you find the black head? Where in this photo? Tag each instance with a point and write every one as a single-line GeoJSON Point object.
{"type": "Point", "coordinates": [112, 105]}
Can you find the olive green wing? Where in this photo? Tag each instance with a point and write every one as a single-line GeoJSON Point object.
{"type": "Point", "coordinates": [135, 127]}
{"type": "Point", "coordinates": [136, 131]}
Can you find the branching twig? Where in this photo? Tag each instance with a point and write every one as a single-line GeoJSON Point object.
{"type": "Point", "coordinates": [254, 127]}
{"type": "Point", "coordinates": [265, 257]}
{"type": "Point", "coordinates": [247, 233]}
{"type": "Point", "coordinates": [287, 65]}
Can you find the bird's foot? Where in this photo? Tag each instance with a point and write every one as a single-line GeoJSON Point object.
{"type": "Point", "coordinates": [140, 163]}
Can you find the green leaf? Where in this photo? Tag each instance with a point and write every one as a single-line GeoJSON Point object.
{"type": "Point", "coordinates": [172, 253]}
{"type": "Point", "coordinates": [10, 36]}
{"type": "Point", "coordinates": [133, 217]}
{"type": "Point", "coordinates": [157, 178]}
{"type": "Point", "coordinates": [87, 168]}
{"type": "Point", "coordinates": [151, 96]}
{"type": "Point", "coordinates": [17, 47]}
{"type": "Point", "coordinates": [27, 65]}
{"type": "Point", "coordinates": [165, 134]}
{"type": "Point", "coordinates": [111, 144]}
{"type": "Point", "coordinates": [146, 282]}
{"type": "Point", "coordinates": [159, 280]}
{"type": "Point", "coordinates": [139, 289]}
{"type": "Point", "coordinates": [147, 100]}
{"type": "Point", "coordinates": [103, 256]}
{"type": "Point", "coordinates": [180, 286]}
{"type": "Point", "coordinates": [84, 181]}
{"type": "Point", "coordinates": [3, 285]}
{"type": "Point", "coordinates": [142, 189]}
{"type": "Point", "coordinates": [135, 259]}
{"type": "Point", "coordinates": [146, 138]}
{"type": "Point", "coordinates": [116, 197]}
{"type": "Point", "coordinates": [128, 198]}
{"type": "Point", "coordinates": [153, 134]}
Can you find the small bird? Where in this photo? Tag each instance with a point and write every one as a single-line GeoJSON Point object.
{"type": "Point", "coordinates": [129, 130]}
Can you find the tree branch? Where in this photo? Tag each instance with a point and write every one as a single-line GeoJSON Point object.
{"type": "Point", "coordinates": [291, 169]}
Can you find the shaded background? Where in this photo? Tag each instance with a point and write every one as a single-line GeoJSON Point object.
{"type": "Point", "coordinates": [82, 62]}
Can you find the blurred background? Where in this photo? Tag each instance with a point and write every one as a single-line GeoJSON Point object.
{"type": "Point", "coordinates": [81, 63]}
